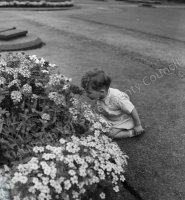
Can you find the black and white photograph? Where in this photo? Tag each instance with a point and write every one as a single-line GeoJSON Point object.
{"type": "Point", "coordinates": [92, 99]}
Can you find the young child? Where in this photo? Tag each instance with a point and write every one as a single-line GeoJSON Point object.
{"type": "Point", "coordinates": [112, 104]}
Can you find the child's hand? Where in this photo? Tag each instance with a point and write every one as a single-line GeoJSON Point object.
{"type": "Point", "coordinates": [138, 130]}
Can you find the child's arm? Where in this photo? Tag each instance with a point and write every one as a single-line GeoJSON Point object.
{"type": "Point", "coordinates": [138, 128]}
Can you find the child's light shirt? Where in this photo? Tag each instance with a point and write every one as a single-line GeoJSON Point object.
{"type": "Point", "coordinates": [116, 108]}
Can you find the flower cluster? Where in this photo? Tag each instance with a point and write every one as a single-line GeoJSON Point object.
{"type": "Point", "coordinates": [59, 140]}
{"type": "Point", "coordinates": [56, 79]}
{"type": "Point", "coordinates": [45, 116]}
{"type": "Point", "coordinates": [16, 96]}
{"type": "Point", "coordinates": [64, 3]}
{"type": "Point", "coordinates": [83, 114]}
{"type": "Point", "coordinates": [35, 99]}
{"type": "Point", "coordinates": [69, 169]}
{"type": "Point", "coordinates": [26, 89]}
{"type": "Point", "coordinates": [21, 75]}
{"type": "Point", "coordinates": [57, 98]}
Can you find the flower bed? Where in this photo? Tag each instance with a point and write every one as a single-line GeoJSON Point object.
{"type": "Point", "coordinates": [44, 3]}
{"type": "Point", "coordinates": [54, 143]}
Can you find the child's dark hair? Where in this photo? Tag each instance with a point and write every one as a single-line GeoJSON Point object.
{"type": "Point", "coordinates": [97, 79]}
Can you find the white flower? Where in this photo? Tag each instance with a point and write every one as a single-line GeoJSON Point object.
{"type": "Point", "coordinates": [116, 188]}
{"type": "Point", "coordinates": [33, 57]}
{"type": "Point", "coordinates": [47, 171]}
{"type": "Point", "coordinates": [23, 179]}
{"type": "Point", "coordinates": [16, 177]}
{"type": "Point", "coordinates": [57, 151]}
{"type": "Point", "coordinates": [42, 196]}
{"type": "Point", "coordinates": [53, 172]}
{"type": "Point", "coordinates": [52, 65]}
{"type": "Point", "coordinates": [67, 184]}
{"type": "Point", "coordinates": [24, 71]}
{"type": "Point", "coordinates": [38, 185]}
{"type": "Point", "coordinates": [48, 156]}
{"type": "Point", "coordinates": [71, 172]}
{"type": "Point", "coordinates": [34, 159]}
{"type": "Point", "coordinates": [57, 98]}
{"type": "Point", "coordinates": [52, 95]}
{"type": "Point", "coordinates": [102, 195]}
{"type": "Point", "coordinates": [45, 116]}
{"type": "Point", "coordinates": [35, 180]}
{"type": "Point", "coordinates": [38, 149]}
{"type": "Point", "coordinates": [53, 183]}
{"type": "Point", "coordinates": [49, 147]}
{"type": "Point", "coordinates": [82, 171]}
{"type": "Point", "coordinates": [55, 79]}
{"type": "Point", "coordinates": [26, 88]}
{"type": "Point", "coordinates": [122, 178]}
{"type": "Point", "coordinates": [16, 96]}
{"type": "Point", "coordinates": [56, 185]}
{"type": "Point", "coordinates": [74, 179]}
{"type": "Point", "coordinates": [71, 147]}
{"type": "Point", "coordinates": [45, 180]}
{"type": "Point", "coordinates": [62, 141]}
{"type": "Point", "coordinates": [34, 166]}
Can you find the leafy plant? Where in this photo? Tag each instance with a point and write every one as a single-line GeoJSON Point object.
{"type": "Point", "coordinates": [35, 100]}
{"type": "Point", "coordinates": [73, 168]}
{"type": "Point", "coordinates": [55, 143]}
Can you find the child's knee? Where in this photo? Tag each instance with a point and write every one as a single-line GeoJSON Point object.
{"type": "Point", "coordinates": [114, 131]}
{"type": "Point", "coordinates": [111, 134]}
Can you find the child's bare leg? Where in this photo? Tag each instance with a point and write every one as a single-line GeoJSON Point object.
{"type": "Point", "coordinates": [119, 133]}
